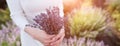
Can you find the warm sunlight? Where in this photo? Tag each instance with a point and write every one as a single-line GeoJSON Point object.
{"type": "Point", "coordinates": [59, 22]}
{"type": "Point", "coordinates": [70, 5]}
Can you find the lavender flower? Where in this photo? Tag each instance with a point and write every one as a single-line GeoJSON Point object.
{"type": "Point", "coordinates": [9, 35]}
{"type": "Point", "coordinates": [50, 22]}
{"type": "Point", "coordinates": [81, 42]}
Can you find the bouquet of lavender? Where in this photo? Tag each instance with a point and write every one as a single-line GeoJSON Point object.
{"type": "Point", "coordinates": [50, 22]}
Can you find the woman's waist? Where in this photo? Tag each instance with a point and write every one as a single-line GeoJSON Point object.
{"type": "Point", "coordinates": [27, 40]}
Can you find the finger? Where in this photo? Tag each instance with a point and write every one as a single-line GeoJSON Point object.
{"type": "Point", "coordinates": [47, 41]}
{"type": "Point", "coordinates": [44, 41]}
{"type": "Point", "coordinates": [56, 38]}
{"type": "Point", "coordinates": [58, 41]}
{"type": "Point", "coordinates": [49, 37]}
{"type": "Point", "coordinates": [59, 35]}
{"type": "Point", "coordinates": [46, 45]}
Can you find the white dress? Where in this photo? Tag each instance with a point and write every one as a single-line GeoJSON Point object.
{"type": "Point", "coordinates": [24, 10]}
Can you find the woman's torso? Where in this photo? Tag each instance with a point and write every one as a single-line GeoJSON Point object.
{"type": "Point", "coordinates": [34, 7]}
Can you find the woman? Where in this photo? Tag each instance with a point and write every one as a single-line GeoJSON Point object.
{"type": "Point", "coordinates": [23, 12]}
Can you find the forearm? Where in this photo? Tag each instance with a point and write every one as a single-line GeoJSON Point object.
{"type": "Point", "coordinates": [32, 31]}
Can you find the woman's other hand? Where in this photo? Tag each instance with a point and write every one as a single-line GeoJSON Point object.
{"type": "Point", "coordinates": [56, 41]}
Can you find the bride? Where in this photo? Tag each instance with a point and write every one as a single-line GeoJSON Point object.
{"type": "Point", "coordinates": [23, 12]}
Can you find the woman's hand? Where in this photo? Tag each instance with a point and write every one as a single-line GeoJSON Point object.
{"type": "Point", "coordinates": [56, 41]}
{"type": "Point", "coordinates": [42, 36]}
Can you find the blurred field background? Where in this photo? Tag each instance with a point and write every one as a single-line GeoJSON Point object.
{"type": "Point", "coordinates": [9, 32]}
{"type": "Point", "coordinates": [87, 23]}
